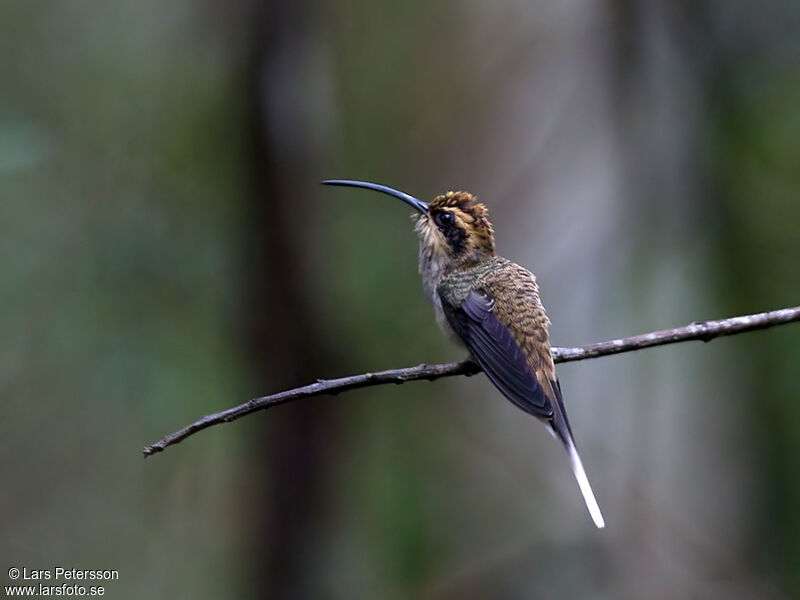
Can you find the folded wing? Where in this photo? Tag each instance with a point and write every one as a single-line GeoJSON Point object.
{"type": "Point", "coordinates": [493, 347]}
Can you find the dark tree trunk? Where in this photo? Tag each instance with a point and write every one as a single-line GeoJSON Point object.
{"type": "Point", "coordinates": [279, 324]}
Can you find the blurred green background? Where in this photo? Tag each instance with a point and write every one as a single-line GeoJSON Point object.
{"type": "Point", "coordinates": [166, 251]}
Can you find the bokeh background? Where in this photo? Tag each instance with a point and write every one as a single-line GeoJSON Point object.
{"type": "Point", "coordinates": [166, 251]}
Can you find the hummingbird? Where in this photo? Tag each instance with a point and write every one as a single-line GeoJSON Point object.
{"type": "Point", "coordinates": [490, 305]}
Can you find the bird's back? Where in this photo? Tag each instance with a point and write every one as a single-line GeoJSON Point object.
{"type": "Point", "coordinates": [517, 305]}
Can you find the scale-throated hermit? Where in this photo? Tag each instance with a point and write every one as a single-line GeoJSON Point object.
{"type": "Point", "coordinates": [492, 306]}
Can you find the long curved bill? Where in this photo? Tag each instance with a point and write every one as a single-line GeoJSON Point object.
{"type": "Point", "coordinates": [410, 200]}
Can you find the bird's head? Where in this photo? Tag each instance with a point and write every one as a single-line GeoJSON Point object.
{"type": "Point", "coordinates": [453, 227]}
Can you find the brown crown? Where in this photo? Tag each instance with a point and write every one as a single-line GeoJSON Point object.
{"type": "Point", "coordinates": [461, 200]}
{"type": "Point", "coordinates": [464, 201]}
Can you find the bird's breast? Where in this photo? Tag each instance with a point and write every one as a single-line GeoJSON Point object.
{"type": "Point", "coordinates": [432, 269]}
{"type": "Point", "coordinates": [443, 322]}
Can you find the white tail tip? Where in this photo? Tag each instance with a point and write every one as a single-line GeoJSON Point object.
{"type": "Point", "coordinates": [586, 489]}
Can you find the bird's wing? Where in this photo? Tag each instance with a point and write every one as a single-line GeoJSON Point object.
{"type": "Point", "coordinates": [493, 347]}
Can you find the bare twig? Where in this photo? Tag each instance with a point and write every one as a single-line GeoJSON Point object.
{"type": "Point", "coordinates": [704, 331]}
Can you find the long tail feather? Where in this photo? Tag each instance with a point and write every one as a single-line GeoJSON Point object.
{"type": "Point", "coordinates": [583, 483]}
{"type": "Point", "coordinates": [559, 426]}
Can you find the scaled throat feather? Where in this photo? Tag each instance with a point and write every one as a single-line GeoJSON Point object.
{"type": "Point", "coordinates": [434, 257]}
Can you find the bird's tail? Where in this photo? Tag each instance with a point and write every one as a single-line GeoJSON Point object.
{"type": "Point", "coordinates": [583, 483]}
{"type": "Point", "coordinates": [559, 428]}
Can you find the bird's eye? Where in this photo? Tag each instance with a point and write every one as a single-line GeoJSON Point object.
{"type": "Point", "coordinates": [444, 219]}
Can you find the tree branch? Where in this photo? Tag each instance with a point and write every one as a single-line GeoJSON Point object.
{"type": "Point", "coordinates": [705, 331]}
